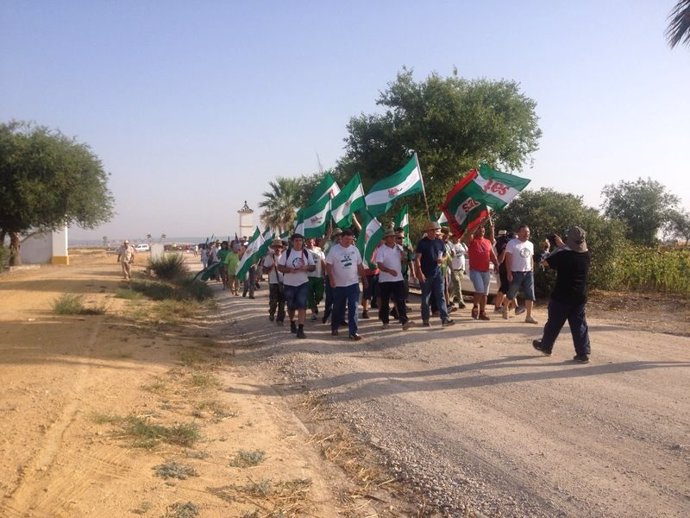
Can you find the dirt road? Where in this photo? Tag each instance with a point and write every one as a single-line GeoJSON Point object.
{"type": "Point", "coordinates": [470, 416]}
{"type": "Point", "coordinates": [474, 418]}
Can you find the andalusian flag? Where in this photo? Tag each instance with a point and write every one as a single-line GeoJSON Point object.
{"type": "Point", "coordinates": [402, 220]}
{"type": "Point", "coordinates": [369, 239]}
{"type": "Point", "coordinates": [405, 182]}
{"type": "Point", "coordinates": [327, 188]}
{"type": "Point", "coordinates": [268, 236]}
{"type": "Point", "coordinates": [251, 254]}
{"type": "Point", "coordinates": [312, 220]}
{"type": "Point", "coordinates": [349, 200]}
{"type": "Point", "coordinates": [494, 188]}
{"type": "Point", "coordinates": [462, 211]}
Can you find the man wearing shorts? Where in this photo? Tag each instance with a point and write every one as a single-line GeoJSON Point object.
{"type": "Point", "coordinates": [519, 265]}
{"type": "Point", "coordinates": [481, 254]}
{"type": "Point", "coordinates": [295, 264]}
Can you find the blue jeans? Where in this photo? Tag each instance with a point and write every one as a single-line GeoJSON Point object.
{"type": "Point", "coordinates": [434, 284]}
{"type": "Point", "coordinates": [341, 295]}
{"type": "Point", "coordinates": [574, 313]}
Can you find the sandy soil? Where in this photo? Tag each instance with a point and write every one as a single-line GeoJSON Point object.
{"type": "Point", "coordinates": [68, 380]}
{"type": "Point", "coordinates": [469, 417]}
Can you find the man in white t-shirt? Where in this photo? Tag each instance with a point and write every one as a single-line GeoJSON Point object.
{"type": "Point", "coordinates": [344, 267]}
{"type": "Point", "coordinates": [276, 298]}
{"type": "Point", "coordinates": [389, 259]}
{"type": "Point", "coordinates": [316, 286]}
{"type": "Point", "coordinates": [519, 259]}
{"type": "Point", "coordinates": [295, 264]}
{"type": "Point", "coordinates": [458, 252]}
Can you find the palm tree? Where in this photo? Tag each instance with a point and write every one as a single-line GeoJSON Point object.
{"type": "Point", "coordinates": [678, 30]}
{"type": "Point", "coordinates": [281, 203]}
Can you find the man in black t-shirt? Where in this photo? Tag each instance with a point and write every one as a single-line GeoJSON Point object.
{"type": "Point", "coordinates": [571, 260]}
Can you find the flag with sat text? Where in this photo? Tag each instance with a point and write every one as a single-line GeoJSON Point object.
{"type": "Point", "coordinates": [462, 211]}
{"type": "Point", "coordinates": [349, 200]}
{"type": "Point", "coordinates": [251, 254]}
{"type": "Point", "coordinates": [327, 187]}
{"type": "Point", "coordinates": [369, 239]}
{"type": "Point", "coordinates": [405, 182]}
{"type": "Point", "coordinates": [312, 221]}
{"type": "Point", "coordinates": [494, 188]}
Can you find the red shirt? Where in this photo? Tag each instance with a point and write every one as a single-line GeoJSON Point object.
{"type": "Point", "coordinates": [479, 251]}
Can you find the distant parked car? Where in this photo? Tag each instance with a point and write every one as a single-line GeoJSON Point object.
{"type": "Point", "coordinates": [142, 247]}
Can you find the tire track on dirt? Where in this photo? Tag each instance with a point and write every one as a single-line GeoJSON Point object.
{"type": "Point", "coordinates": [38, 491]}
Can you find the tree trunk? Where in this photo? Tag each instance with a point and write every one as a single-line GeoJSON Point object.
{"type": "Point", "coordinates": [15, 245]}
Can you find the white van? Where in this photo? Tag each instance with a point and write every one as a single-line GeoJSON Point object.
{"type": "Point", "coordinates": [142, 247]}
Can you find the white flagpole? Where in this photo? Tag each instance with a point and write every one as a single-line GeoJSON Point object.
{"type": "Point", "coordinates": [426, 203]}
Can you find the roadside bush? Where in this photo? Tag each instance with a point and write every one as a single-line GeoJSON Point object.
{"type": "Point", "coordinates": [4, 257]}
{"type": "Point", "coordinates": [185, 288]}
{"type": "Point", "coordinates": [73, 304]}
{"type": "Point", "coordinates": [168, 267]}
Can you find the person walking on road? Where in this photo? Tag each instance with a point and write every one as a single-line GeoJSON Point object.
{"type": "Point", "coordinates": [295, 264]}
{"type": "Point", "coordinates": [344, 267]}
{"type": "Point", "coordinates": [569, 296]}
{"type": "Point", "coordinates": [276, 297]}
{"type": "Point", "coordinates": [389, 260]}
{"type": "Point", "coordinates": [429, 255]}
{"type": "Point", "coordinates": [519, 259]}
{"type": "Point", "coordinates": [125, 256]}
{"type": "Point", "coordinates": [481, 254]}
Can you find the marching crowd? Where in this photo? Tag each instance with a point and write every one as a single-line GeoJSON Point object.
{"type": "Point", "coordinates": [302, 273]}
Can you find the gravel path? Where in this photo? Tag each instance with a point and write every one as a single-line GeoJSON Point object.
{"type": "Point", "coordinates": [479, 423]}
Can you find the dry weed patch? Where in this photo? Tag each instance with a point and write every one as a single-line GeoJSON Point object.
{"type": "Point", "coordinates": [246, 458]}
{"type": "Point", "coordinates": [172, 469]}
{"type": "Point", "coordinates": [286, 498]}
{"type": "Point", "coordinates": [146, 434]}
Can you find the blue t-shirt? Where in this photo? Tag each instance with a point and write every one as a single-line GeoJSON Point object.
{"type": "Point", "coordinates": [430, 248]}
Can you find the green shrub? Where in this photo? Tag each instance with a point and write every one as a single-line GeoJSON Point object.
{"type": "Point", "coordinates": [195, 289]}
{"type": "Point", "coordinates": [168, 267]}
{"type": "Point", "coordinates": [155, 290]}
{"type": "Point", "coordinates": [4, 257]}
{"type": "Point", "coordinates": [73, 304]}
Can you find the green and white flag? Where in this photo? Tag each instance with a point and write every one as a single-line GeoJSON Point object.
{"type": "Point", "coordinates": [441, 219]}
{"type": "Point", "coordinates": [268, 236]}
{"type": "Point", "coordinates": [312, 221]}
{"type": "Point", "coordinates": [369, 239]}
{"type": "Point", "coordinates": [405, 182]}
{"type": "Point", "coordinates": [327, 187]}
{"type": "Point", "coordinates": [402, 220]}
{"type": "Point", "coordinates": [494, 188]}
{"type": "Point", "coordinates": [349, 200]}
{"type": "Point", "coordinates": [251, 254]}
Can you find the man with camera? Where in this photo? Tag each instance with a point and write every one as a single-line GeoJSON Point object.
{"type": "Point", "coordinates": [571, 260]}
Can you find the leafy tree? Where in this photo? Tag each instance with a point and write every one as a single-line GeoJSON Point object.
{"type": "Point", "coordinates": [678, 225]}
{"type": "Point", "coordinates": [678, 29]}
{"type": "Point", "coordinates": [644, 205]}
{"type": "Point", "coordinates": [47, 181]}
{"type": "Point", "coordinates": [282, 202]}
{"type": "Point", "coordinates": [547, 211]}
{"type": "Point", "coordinates": [452, 123]}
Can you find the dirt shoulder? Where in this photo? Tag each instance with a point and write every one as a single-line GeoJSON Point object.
{"type": "Point", "coordinates": [121, 414]}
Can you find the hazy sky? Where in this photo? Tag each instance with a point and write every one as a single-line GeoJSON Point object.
{"type": "Point", "coordinates": [194, 106]}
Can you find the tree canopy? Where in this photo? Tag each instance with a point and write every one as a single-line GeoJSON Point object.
{"type": "Point", "coordinates": [678, 30]}
{"type": "Point", "coordinates": [452, 123]}
{"type": "Point", "coordinates": [643, 205]}
{"type": "Point", "coordinates": [47, 181]}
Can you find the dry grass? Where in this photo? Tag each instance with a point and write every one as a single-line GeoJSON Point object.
{"type": "Point", "coordinates": [288, 498]}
